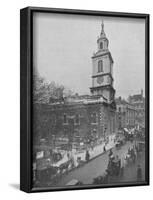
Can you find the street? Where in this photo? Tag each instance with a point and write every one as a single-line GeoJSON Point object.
{"type": "Point", "coordinates": [97, 167]}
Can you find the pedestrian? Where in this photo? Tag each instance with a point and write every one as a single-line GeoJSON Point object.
{"type": "Point", "coordinates": [87, 156]}
{"type": "Point", "coordinates": [104, 148]}
{"type": "Point", "coordinates": [92, 146]}
{"type": "Point", "coordinates": [134, 157]}
{"type": "Point", "coordinates": [139, 173]}
{"type": "Point", "coordinates": [129, 151]}
{"type": "Point", "coordinates": [126, 160]}
{"type": "Point", "coordinates": [110, 153]}
{"type": "Point", "coordinates": [122, 171]}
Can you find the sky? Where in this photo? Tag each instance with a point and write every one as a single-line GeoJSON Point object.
{"type": "Point", "coordinates": [64, 44]}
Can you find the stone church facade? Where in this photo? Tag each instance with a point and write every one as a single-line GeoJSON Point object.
{"type": "Point", "coordinates": [86, 116]}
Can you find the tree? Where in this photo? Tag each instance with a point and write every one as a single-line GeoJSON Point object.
{"type": "Point", "coordinates": [45, 91]}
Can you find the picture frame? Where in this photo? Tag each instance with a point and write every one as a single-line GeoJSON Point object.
{"type": "Point", "coordinates": [27, 52]}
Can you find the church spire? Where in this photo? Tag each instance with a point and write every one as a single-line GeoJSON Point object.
{"type": "Point", "coordinates": [102, 34]}
{"type": "Point", "coordinates": [102, 40]}
{"type": "Point", "coordinates": [102, 27]}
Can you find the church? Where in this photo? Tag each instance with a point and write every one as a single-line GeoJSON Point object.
{"type": "Point", "coordinates": [86, 116]}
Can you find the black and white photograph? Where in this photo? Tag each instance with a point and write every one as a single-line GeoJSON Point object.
{"type": "Point", "coordinates": [89, 101]}
{"type": "Point", "coordinates": [76, 92]}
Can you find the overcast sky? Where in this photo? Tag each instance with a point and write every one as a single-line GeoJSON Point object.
{"type": "Point", "coordinates": [64, 44]}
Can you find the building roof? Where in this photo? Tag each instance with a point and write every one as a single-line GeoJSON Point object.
{"type": "Point", "coordinates": [136, 97]}
{"type": "Point", "coordinates": [119, 101]}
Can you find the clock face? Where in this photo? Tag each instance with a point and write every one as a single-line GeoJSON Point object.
{"type": "Point", "coordinates": [100, 79]}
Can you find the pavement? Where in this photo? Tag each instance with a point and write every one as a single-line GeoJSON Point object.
{"type": "Point", "coordinates": [96, 151]}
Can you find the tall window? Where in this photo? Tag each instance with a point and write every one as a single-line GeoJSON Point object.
{"type": "Point", "coordinates": [101, 45]}
{"type": "Point", "coordinates": [77, 119]}
{"type": "Point", "coordinates": [94, 118]}
{"type": "Point", "coordinates": [100, 66]}
{"type": "Point", "coordinates": [65, 121]}
{"type": "Point", "coordinates": [53, 119]}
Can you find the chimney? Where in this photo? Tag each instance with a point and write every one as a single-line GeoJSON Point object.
{"type": "Point", "coordinates": [142, 92]}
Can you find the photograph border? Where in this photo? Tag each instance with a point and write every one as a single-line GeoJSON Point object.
{"type": "Point", "coordinates": [26, 85]}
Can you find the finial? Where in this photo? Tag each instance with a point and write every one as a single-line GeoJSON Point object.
{"type": "Point", "coordinates": [102, 26]}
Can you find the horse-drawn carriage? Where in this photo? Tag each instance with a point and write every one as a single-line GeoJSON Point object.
{"type": "Point", "coordinates": [141, 145]}
{"type": "Point", "coordinates": [101, 179]}
{"type": "Point", "coordinates": [119, 144]}
{"type": "Point", "coordinates": [51, 174]}
{"type": "Point", "coordinates": [114, 165]}
{"type": "Point", "coordinates": [45, 175]}
{"type": "Point", "coordinates": [130, 157]}
{"type": "Point", "coordinates": [129, 134]}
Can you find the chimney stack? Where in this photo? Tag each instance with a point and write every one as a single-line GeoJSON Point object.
{"type": "Point", "coordinates": [142, 92]}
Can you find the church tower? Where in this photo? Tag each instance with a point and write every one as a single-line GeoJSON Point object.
{"type": "Point", "coordinates": [102, 69]}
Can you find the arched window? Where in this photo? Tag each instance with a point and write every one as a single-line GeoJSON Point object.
{"type": "Point", "coordinates": [65, 119]}
{"type": "Point", "coordinates": [101, 45]}
{"type": "Point", "coordinates": [100, 66]}
{"type": "Point", "coordinates": [94, 118]}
